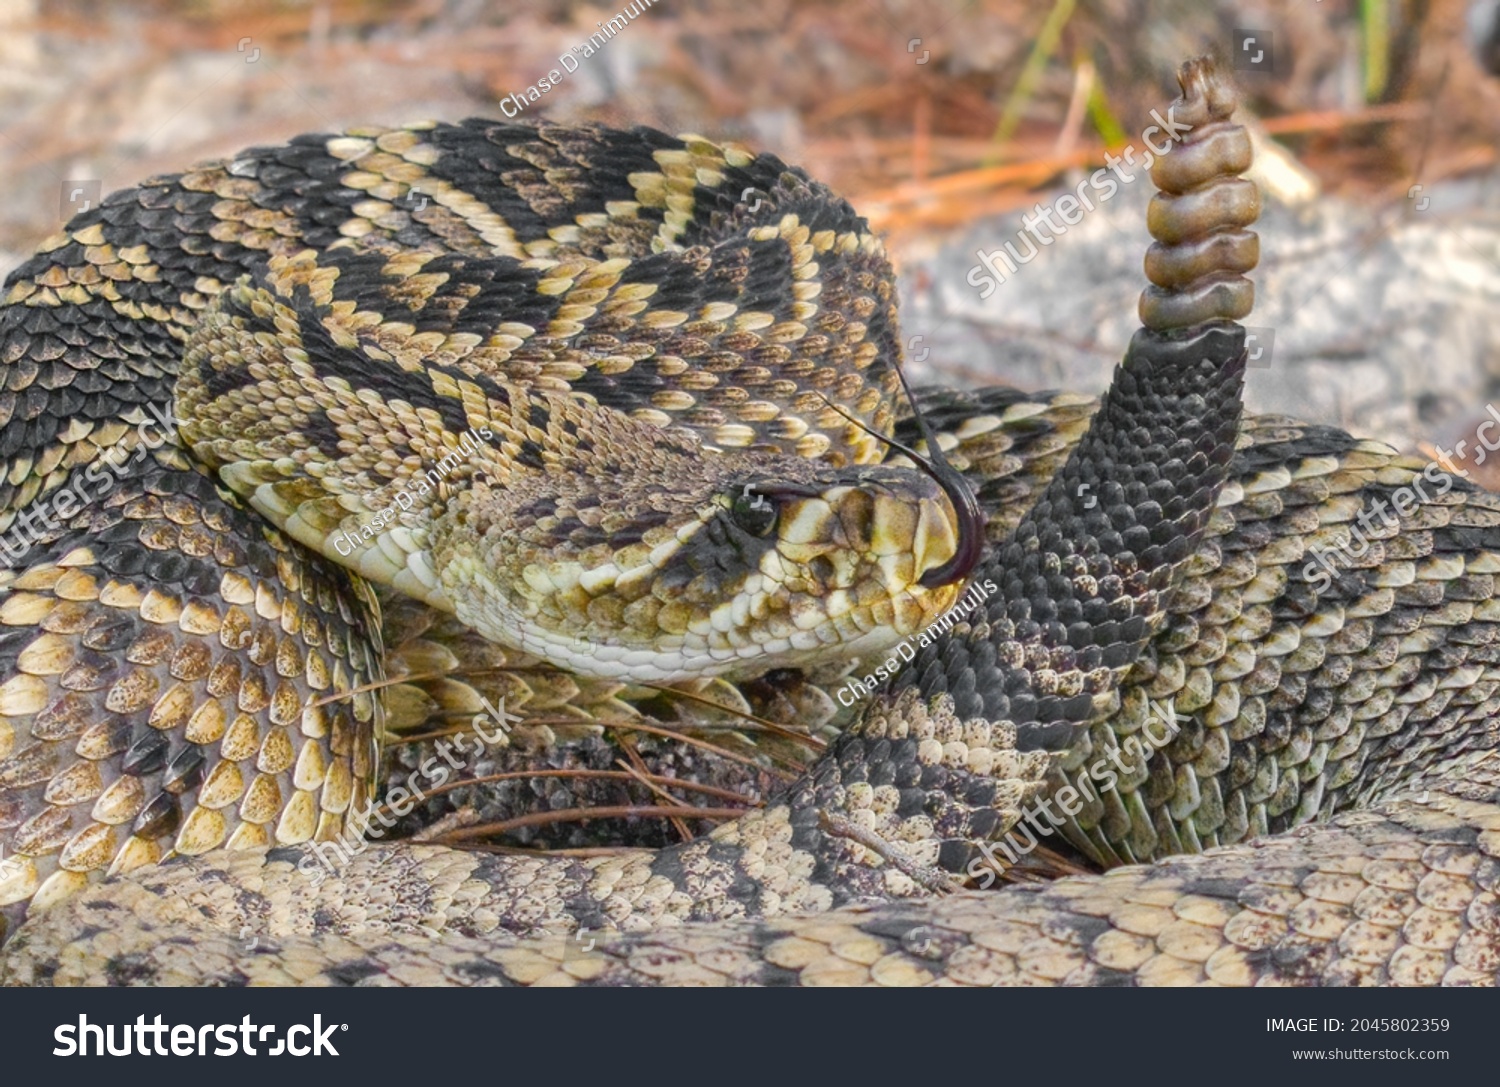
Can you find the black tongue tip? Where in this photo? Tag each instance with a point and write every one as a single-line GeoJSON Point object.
{"type": "Point", "coordinates": [970, 530]}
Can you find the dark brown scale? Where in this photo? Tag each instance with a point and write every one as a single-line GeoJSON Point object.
{"type": "Point", "coordinates": [159, 818]}
{"type": "Point", "coordinates": [186, 770]}
{"type": "Point", "coordinates": [147, 753]}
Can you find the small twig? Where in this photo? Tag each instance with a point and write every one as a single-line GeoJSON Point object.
{"type": "Point", "coordinates": [935, 880]}
{"type": "Point", "coordinates": [582, 852]}
{"type": "Point", "coordinates": [584, 815]}
{"type": "Point", "coordinates": [405, 739]}
{"type": "Point", "coordinates": [618, 775]}
{"type": "Point", "coordinates": [680, 737]}
{"type": "Point", "coordinates": [465, 816]}
{"type": "Point", "coordinates": [1083, 87]}
{"type": "Point", "coordinates": [770, 726]}
{"type": "Point", "coordinates": [921, 136]}
{"type": "Point", "coordinates": [637, 769]}
{"type": "Point", "coordinates": [392, 681]}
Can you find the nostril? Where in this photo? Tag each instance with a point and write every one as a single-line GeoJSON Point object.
{"type": "Point", "coordinates": [822, 570]}
{"type": "Point", "coordinates": [856, 514]}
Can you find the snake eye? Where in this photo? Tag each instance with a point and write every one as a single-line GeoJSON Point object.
{"type": "Point", "coordinates": [755, 513]}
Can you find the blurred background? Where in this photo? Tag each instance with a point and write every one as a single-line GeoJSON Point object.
{"type": "Point", "coordinates": [944, 121]}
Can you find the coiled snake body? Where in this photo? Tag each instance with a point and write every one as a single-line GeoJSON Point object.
{"type": "Point", "coordinates": [182, 678]}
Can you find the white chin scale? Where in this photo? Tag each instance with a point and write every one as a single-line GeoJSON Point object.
{"type": "Point", "coordinates": [673, 664]}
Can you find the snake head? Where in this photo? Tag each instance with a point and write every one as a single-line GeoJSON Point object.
{"type": "Point", "coordinates": [606, 543]}
{"type": "Point", "coordinates": [701, 565]}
